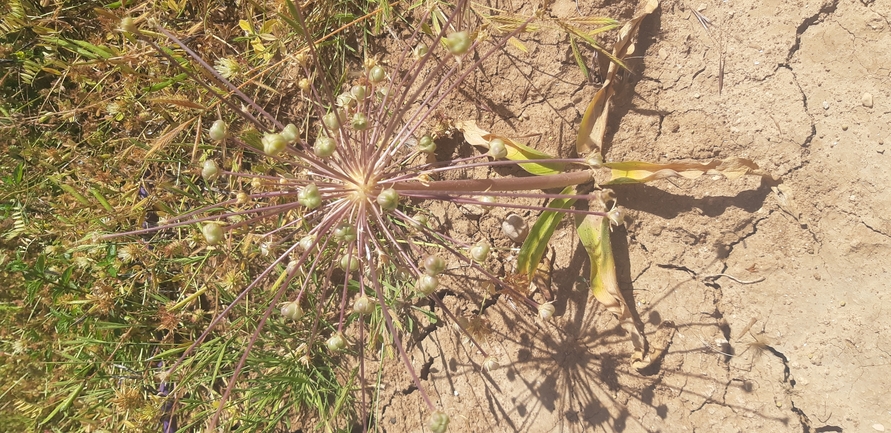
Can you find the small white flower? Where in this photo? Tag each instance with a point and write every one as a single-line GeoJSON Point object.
{"type": "Point", "coordinates": [227, 67]}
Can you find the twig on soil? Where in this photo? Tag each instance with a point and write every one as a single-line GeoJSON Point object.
{"type": "Point", "coordinates": [716, 276]}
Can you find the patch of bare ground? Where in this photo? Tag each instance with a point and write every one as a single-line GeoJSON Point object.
{"type": "Point", "coordinates": [775, 294]}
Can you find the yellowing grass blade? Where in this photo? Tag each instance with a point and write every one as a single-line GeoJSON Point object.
{"type": "Point", "coordinates": [593, 126]}
{"type": "Point", "coordinates": [641, 172]}
{"type": "Point", "coordinates": [594, 232]}
{"type": "Point", "coordinates": [519, 45]}
{"type": "Point", "coordinates": [167, 137]}
{"type": "Point", "coordinates": [516, 151]}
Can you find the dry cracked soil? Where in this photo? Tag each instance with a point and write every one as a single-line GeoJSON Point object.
{"type": "Point", "coordinates": [775, 293]}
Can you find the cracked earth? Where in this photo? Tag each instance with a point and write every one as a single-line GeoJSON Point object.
{"type": "Point", "coordinates": [776, 294]}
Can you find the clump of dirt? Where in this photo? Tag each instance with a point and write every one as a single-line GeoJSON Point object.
{"type": "Point", "coordinates": [776, 290]}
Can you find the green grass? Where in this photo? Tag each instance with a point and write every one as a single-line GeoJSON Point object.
{"type": "Point", "coordinates": [84, 115]}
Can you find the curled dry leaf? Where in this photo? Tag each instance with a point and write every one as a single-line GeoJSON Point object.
{"type": "Point", "coordinates": [593, 127]}
{"type": "Point", "coordinates": [594, 232]}
{"type": "Point", "coordinates": [516, 151]}
{"type": "Point", "coordinates": [641, 172]}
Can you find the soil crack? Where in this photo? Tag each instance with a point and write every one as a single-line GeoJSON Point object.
{"type": "Point", "coordinates": [828, 8]}
{"type": "Point", "coordinates": [875, 229]}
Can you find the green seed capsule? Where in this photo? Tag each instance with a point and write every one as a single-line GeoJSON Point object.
{"type": "Point", "coordinates": [426, 145]}
{"type": "Point", "coordinates": [419, 220]}
{"type": "Point", "coordinates": [213, 233]}
{"type": "Point", "coordinates": [359, 92]}
{"type": "Point", "coordinates": [349, 263]}
{"type": "Point", "coordinates": [434, 265]}
{"type": "Point", "coordinates": [332, 120]}
{"type": "Point", "coordinates": [497, 149]}
{"type": "Point", "coordinates": [363, 305]}
{"type": "Point", "coordinates": [360, 122]}
{"type": "Point", "coordinates": [306, 242]}
{"type": "Point", "coordinates": [439, 422]}
{"type": "Point", "coordinates": [291, 268]}
{"type": "Point", "coordinates": [458, 42]}
{"type": "Point", "coordinates": [290, 133]}
{"type": "Point", "coordinates": [273, 144]}
{"type": "Point", "coordinates": [427, 284]}
{"type": "Point", "coordinates": [490, 363]}
{"type": "Point", "coordinates": [388, 199]}
{"type": "Point", "coordinates": [616, 216]}
{"type": "Point", "coordinates": [345, 99]}
{"type": "Point", "coordinates": [309, 196]}
{"type": "Point", "coordinates": [324, 146]}
{"type": "Point", "coordinates": [480, 251]}
{"type": "Point", "coordinates": [546, 311]}
{"type": "Point", "coordinates": [218, 130]}
{"type": "Point", "coordinates": [420, 50]}
{"type": "Point", "coordinates": [377, 74]}
{"type": "Point", "coordinates": [292, 311]}
{"type": "Point", "coordinates": [345, 233]}
{"type": "Point", "coordinates": [210, 171]}
{"type": "Point", "coordinates": [336, 343]}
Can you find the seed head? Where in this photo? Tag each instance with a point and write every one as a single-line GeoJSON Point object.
{"type": "Point", "coordinates": [358, 92]}
{"type": "Point", "coordinates": [420, 50]}
{"type": "Point", "coordinates": [427, 284]}
{"type": "Point", "coordinates": [434, 265]}
{"type": "Point", "coordinates": [306, 242]}
{"type": "Point", "coordinates": [290, 133]}
{"type": "Point", "coordinates": [480, 251]}
{"type": "Point", "coordinates": [458, 42]}
{"type": "Point", "coordinates": [273, 144]}
{"type": "Point", "coordinates": [363, 305]}
{"type": "Point", "coordinates": [332, 120]}
{"type": "Point", "coordinates": [309, 196]}
{"type": "Point", "coordinates": [490, 363]}
{"type": "Point", "coordinates": [497, 149]}
{"type": "Point", "coordinates": [546, 310]}
{"type": "Point", "coordinates": [345, 232]}
{"type": "Point", "coordinates": [212, 232]}
{"type": "Point", "coordinates": [426, 145]}
{"type": "Point", "coordinates": [336, 343]}
{"type": "Point", "coordinates": [439, 422]}
{"type": "Point", "coordinates": [616, 216]}
{"type": "Point", "coordinates": [292, 311]}
{"type": "Point", "coordinates": [360, 122]}
{"type": "Point", "coordinates": [377, 74]}
{"type": "Point", "coordinates": [218, 130]}
{"type": "Point", "coordinates": [210, 172]}
{"type": "Point", "coordinates": [324, 146]}
{"type": "Point", "coordinates": [388, 199]}
{"type": "Point", "coordinates": [349, 263]}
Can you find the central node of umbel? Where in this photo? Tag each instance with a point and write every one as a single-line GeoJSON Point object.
{"type": "Point", "coordinates": [361, 185]}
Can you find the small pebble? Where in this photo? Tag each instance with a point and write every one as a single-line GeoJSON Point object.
{"type": "Point", "coordinates": [866, 99]}
{"type": "Point", "coordinates": [825, 105]}
{"type": "Point", "coordinates": [514, 227]}
{"type": "Point", "coordinates": [878, 427]}
{"type": "Point", "coordinates": [844, 127]}
{"type": "Point", "coordinates": [843, 303]}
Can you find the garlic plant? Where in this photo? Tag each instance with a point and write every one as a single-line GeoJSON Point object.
{"type": "Point", "coordinates": [347, 186]}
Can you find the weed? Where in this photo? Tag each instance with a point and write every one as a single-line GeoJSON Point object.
{"type": "Point", "coordinates": [337, 206]}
